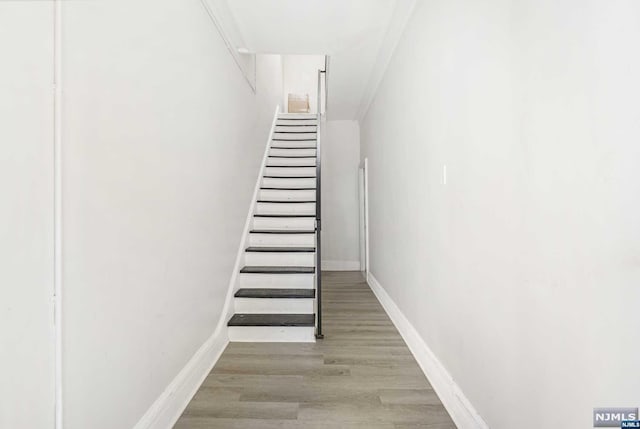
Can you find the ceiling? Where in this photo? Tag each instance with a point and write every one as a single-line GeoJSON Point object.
{"type": "Point", "coordinates": [351, 32]}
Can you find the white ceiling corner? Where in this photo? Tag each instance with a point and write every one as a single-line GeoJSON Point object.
{"type": "Point", "coordinates": [352, 32]}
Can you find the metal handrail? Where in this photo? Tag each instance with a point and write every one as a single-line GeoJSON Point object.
{"type": "Point", "coordinates": [326, 82]}
{"type": "Point", "coordinates": [319, 333]}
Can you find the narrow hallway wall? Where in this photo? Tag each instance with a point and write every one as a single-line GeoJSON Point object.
{"type": "Point", "coordinates": [26, 215]}
{"type": "Point", "coordinates": [162, 143]}
{"type": "Point", "coordinates": [340, 222]}
{"type": "Point", "coordinates": [518, 265]}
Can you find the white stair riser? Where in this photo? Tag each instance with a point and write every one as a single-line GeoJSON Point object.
{"type": "Point", "coordinates": [311, 162]}
{"type": "Point", "coordinates": [293, 144]}
{"type": "Point", "coordinates": [277, 281]}
{"type": "Point", "coordinates": [305, 137]}
{"type": "Point", "coordinates": [286, 208]}
{"type": "Point", "coordinates": [274, 305]}
{"type": "Point", "coordinates": [292, 152]}
{"type": "Point", "coordinates": [270, 182]}
{"type": "Point", "coordinates": [287, 194]}
{"type": "Point", "coordinates": [285, 115]}
{"type": "Point", "coordinates": [290, 171]}
{"type": "Point", "coordinates": [282, 240]}
{"type": "Point", "coordinates": [284, 223]}
{"type": "Point", "coordinates": [290, 127]}
{"type": "Point", "coordinates": [279, 259]}
{"type": "Point", "coordinates": [272, 334]}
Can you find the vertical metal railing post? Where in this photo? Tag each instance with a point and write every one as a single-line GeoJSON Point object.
{"type": "Point", "coordinates": [319, 333]}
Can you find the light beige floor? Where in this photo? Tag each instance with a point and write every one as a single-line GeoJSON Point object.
{"type": "Point", "coordinates": [361, 375]}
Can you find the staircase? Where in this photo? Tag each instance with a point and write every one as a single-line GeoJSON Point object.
{"type": "Point", "coordinates": [276, 299]}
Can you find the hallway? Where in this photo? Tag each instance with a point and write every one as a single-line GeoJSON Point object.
{"type": "Point", "coordinates": [362, 375]}
{"type": "Point", "coordinates": [177, 175]}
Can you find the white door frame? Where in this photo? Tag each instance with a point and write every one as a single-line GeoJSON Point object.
{"type": "Point", "coordinates": [363, 179]}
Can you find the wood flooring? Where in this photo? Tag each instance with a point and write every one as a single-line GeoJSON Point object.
{"type": "Point", "coordinates": [362, 375]}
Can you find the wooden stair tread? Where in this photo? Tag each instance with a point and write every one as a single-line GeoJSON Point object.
{"type": "Point", "coordinates": [282, 231]}
{"type": "Point", "coordinates": [283, 249]}
{"type": "Point", "coordinates": [275, 293]}
{"type": "Point", "coordinates": [277, 270]}
{"type": "Point", "coordinates": [272, 320]}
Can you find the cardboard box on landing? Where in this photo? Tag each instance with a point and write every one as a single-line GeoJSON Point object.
{"type": "Point", "coordinates": [298, 103]}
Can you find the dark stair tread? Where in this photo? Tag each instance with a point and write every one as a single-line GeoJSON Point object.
{"type": "Point", "coordinates": [295, 132]}
{"type": "Point", "coordinates": [275, 293]}
{"type": "Point", "coordinates": [273, 320]}
{"type": "Point", "coordinates": [294, 140]}
{"type": "Point", "coordinates": [286, 201]}
{"type": "Point", "coordinates": [297, 147]}
{"type": "Point", "coordinates": [272, 249]}
{"type": "Point", "coordinates": [291, 166]}
{"type": "Point", "coordinates": [282, 215]}
{"type": "Point", "coordinates": [292, 156]}
{"type": "Point", "coordinates": [297, 119]}
{"type": "Point", "coordinates": [289, 189]}
{"type": "Point", "coordinates": [277, 270]}
{"type": "Point", "coordinates": [297, 125]}
{"type": "Point", "coordinates": [290, 177]}
{"type": "Point", "coordinates": [282, 231]}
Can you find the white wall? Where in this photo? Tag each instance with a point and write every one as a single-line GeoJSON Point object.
{"type": "Point", "coordinates": [301, 77]}
{"type": "Point", "coordinates": [340, 220]}
{"type": "Point", "coordinates": [26, 215]}
{"type": "Point", "coordinates": [162, 142]}
{"type": "Point", "coordinates": [521, 273]}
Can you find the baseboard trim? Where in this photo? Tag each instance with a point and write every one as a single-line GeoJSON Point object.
{"type": "Point", "coordinates": [462, 412]}
{"type": "Point", "coordinates": [166, 410]}
{"type": "Point", "coordinates": [341, 265]}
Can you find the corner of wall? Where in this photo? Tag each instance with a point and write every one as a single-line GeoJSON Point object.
{"type": "Point", "coordinates": [166, 410]}
{"type": "Point", "coordinates": [453, 398]}
{"type": "Point", "coordinates": [399, 20]}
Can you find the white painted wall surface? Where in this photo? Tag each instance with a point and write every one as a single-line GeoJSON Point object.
{"type": "Point", "coordinates": [521, 273]}
{"type": "Point", "coordinates": [26, 215]}
{"type": "Point", "coordinates": [162, 142]}
{"type": "Point", "coordinates": [301, 77]}
{"type": "Point", "coordinates": [340, 223]}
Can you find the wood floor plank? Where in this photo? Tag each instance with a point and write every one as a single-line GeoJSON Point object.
{"type": "Point", "coordinates": [189, 422]}
{"type": "Point", "coordinates": [361, 376]}
{"type": "Point", "coordinates": [246, 410]}
{"type": "Point", "coordinates": [408, 396]}
{"type": "Point", "coordinates": [362, 412]}
{"type": "Point", "coordinates": [310, 392]}
{"type": "Point", "coordinates": [449, 425]}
